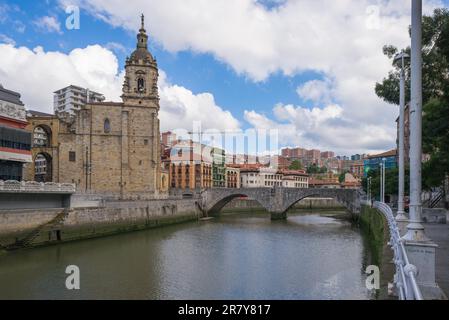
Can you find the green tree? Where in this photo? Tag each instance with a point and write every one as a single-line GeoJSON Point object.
{"type": "Point", "coordinates": [391, 182]}
{"type": "Point", "coordinates": [296, 165]}
{"type": "Point", "coordinates": [435, 94]}
{"type": "Point", "coordinates": [314, 169]}
{"type": "Point", "coordinates": [435, 61]}
{"type": "Point", "coordinates": [342, 176]}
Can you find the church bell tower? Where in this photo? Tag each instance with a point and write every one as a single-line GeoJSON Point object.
{"type": "Point", "coordinates": [140, 85]}
{"type": "Point", "coordinates": [141, 161]}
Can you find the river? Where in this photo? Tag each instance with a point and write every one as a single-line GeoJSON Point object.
{"type": "Point", "coordinates": [240, 256]}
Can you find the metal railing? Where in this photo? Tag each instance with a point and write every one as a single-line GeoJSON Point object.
{"type": "Point", "coordinates": [405, 277]}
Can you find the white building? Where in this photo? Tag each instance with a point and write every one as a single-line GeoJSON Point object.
{"type": "Point", "coordinates": [295, 179]}
{"type": "Point", "coordinates": [250, 178]}
{"type": "Point", "coordinates": [269, 178]}
{"type": "Point", "coordinates": [71, 98]}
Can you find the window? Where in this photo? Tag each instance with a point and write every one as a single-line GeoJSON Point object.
{"type": "Point", "coordinates": [72, 156]}
{"type": "Point", "coordinates": [41, 137]}
{"type": "Point", "coordinates": [107, 126]}
{"type": "Point", "coordinates": [140, 85]}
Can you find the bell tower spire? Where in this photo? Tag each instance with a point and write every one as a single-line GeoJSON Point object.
{"type": "Point", "coordinates": [140, 85]}
{"type": "Point", "coordinates": [142, 37]}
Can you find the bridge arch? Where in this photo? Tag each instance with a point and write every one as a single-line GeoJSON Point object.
{"type": "Point", "coordinates": [214, 200]}
{"type": "Point", "coordinates": [290, 205]}
{"type": "Point", "coordinates": [221, 203]}
{"type": "Point", "coordinates": [277, 201]}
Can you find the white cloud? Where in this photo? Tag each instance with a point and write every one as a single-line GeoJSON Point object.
{"type": "Point", "coordinates": [322, 128]}
{"type": "Point", "coordinates": [36, 73]}
{"type": "Point", "coordinates": [116, 47]}
{"type": "Point", "coordinates": [342, 40]}
{"type": "Point", "coordinates": [317, 91]}
{"type": "Point", "coordinates": [48, 24]}
{"type": "Point", "coordinates": [96, 68]}
{"type": "Point", "coordinates": [5, 39]}
{"type": "Point", "coordinates": [180, 108]}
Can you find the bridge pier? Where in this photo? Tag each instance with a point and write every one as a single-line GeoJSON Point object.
{"type": "Point", "coordinates": [278, 215]}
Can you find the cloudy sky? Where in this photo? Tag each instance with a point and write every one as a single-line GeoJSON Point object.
{"type": "Point", "coordinates": [305, 67]}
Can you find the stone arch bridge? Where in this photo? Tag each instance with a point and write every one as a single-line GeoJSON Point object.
{"type": "Point", "coordinates": [277, 201]}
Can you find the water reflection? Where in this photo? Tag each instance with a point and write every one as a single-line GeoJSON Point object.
{"type": "Point", "coordinates": [243, 256]}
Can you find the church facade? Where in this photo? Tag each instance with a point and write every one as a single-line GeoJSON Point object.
{"type": "Point", "coordinates": [108, 147]}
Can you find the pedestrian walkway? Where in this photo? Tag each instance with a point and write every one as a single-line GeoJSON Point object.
{"type": "Point", "coordinates": [439, 233]}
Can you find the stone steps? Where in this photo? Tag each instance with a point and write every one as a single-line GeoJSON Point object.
{"type": "Point", "coordinates": [29, 238]}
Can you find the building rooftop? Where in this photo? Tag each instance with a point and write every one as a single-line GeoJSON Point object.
{"type": "Point", "coordinates": [293, 173]}
{"type": "Point", "coordinates": [77, 88]}
{"type": "Point", "coordinates": [10, 96]}
{"type": "Point", "coordinates": [34, 113]}
{"type": "Point", "coordinates": [391, 153]}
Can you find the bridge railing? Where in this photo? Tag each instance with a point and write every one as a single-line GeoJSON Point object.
{"type": "Point", "coordinates": [405, 277]}
{"type": "Point", "coordinates": [32, 186]}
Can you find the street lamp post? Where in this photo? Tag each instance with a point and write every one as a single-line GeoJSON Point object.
{"type": "Point", "coordinates": [415, 229]}
{"type": "Point", "coordinates": [400, 58]}
{"type": "Point", "coordinates": [383, 180]}
{"type": "Point", "coordinates": [420, 249]}
{"type": "Point", "coordinates": [369, 190]}
{"type": "Point", "coordinates": [381, 175]}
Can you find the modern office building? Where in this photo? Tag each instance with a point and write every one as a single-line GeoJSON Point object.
{"type": "Point", "coordinates": [15, 141]}
{"type": "Point", "coordinates": [373, 162]}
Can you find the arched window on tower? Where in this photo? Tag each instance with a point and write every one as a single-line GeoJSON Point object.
{"type": "Point", "coordinates": [140, 85]}
{"type": "Point", "coordinates": [107, 126]}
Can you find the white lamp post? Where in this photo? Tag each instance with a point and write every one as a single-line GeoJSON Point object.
{"type": "Point", "coordinates": [415, 229]}
{"type": "Point", "coordinates": [400, 58]}
{"type": "Point", "coordinates": [383, 179]}
{"type": "Point", "coordinates": [381, 175]}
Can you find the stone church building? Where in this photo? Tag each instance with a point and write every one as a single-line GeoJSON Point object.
{"type": "Point", "coordinates": [108, 148]}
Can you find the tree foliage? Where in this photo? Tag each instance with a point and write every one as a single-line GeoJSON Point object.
{"type": "Point", "coordinates": [391, 182]}
{"type": "Point", "coordinates": [314, 169]}
{"type": "Point", "coordinates": [435, 94]}
{"type": "Point", "coordinates": [296, 165]}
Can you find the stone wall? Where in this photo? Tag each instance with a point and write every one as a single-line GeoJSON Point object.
{"type": "Point", "coordinates": [308, 203]}
{"type": "Point", "coordinates": [375, 231]}
{"type": "Point", "coordinates": [83, 223]}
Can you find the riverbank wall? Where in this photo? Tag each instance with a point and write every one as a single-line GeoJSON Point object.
{"type": "Point", "coordinates": [21, 228]}
{"type": "Point", "coordinates": [244, 205]}
{"type": "Point", "coordinates": [376, 236]}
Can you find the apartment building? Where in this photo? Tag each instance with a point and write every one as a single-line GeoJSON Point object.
{"type": "Point", "coordinates": [69, 99]}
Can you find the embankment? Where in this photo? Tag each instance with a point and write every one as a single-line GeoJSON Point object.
{"type": "Point", "coordinates": [34, 227]}
{"type": "Point", "coordinates": [376, 235]}
{"type": "Point", "coordinates": [244, 205]}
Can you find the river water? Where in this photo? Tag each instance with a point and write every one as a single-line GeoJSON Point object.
{"type": "Point", "coordinates": [241, 256]}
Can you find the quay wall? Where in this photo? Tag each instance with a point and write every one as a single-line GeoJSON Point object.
{"type": "Point", "coordinates": [243, 205]}
{"type": "Point", "coordinates": [41, 226]}
{"type": "Point", "coordinates": [47, 226]}
{"type": "Point", "coordinates": [376, 235]}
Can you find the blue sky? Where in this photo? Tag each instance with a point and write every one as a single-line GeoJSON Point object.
{"type": "Point", "coordinates": [200, 72]}
{"type": "Point", "coordinates": [251, 70]}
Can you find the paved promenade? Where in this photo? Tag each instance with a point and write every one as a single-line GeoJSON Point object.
{"type": "Point", "coordinates": [439, 233]}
